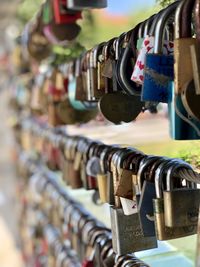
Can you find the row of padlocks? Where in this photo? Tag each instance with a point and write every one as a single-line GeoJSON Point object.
{"type": "Point", "coordinates": [146, 194]}
{"type": "Point", "coordinates": [151, 198]}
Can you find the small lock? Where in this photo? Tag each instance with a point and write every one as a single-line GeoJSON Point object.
{"type": "Point", "coordinates": [182, 126]}
{"type": "Point", "coordinates": [146, 47]}
{"type": "Point", "coordinates": [183, 41]}
{"type": "Point", "coordinates": [162, 231]}
{"type": "Point", "coordinates": [179, 213]}
{"type": "Point", "coordinates": [62, 15]}
{"type": "Point", "coordinates": [147, 194]}
{"type": "Point", "coordinates": [159, 66]}
{"type": "Point", "coordinates": [127, 234]}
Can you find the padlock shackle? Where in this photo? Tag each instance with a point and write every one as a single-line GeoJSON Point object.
{"type": "Point", "coordinates": [97, 51]}
{"type": "Point", "coordinates": [148, 24]}
{"type": "Point", "coordinates": [141, 30]}
{"type": "Point", "coordinates": [118, 43]}
{"type": "Point", "coordinates": [143, 165]}
{"type": "Point", "coordinates": [159, 31]}
{"type": "Point", "coordinates": [159, 177]}
{"type": "Point", "coordinates": [154, 23]}
{"type": "Point", "coordinates": [186, 18]}
{"type": "Point", "coordinates": [172, 170]}
{"type": "Point", "coordinates": [130, 151]}
{"type": "Point", "coordinates": [116, 159]}
{"type": "Point", "coordinates": [197, 19]}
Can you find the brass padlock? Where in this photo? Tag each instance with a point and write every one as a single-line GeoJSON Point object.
{"type": "Point", "coordinates": [198, 243]}
{"type": "Point", "coordinates": [183, 41]}
{"type": "Point", "coordinates": [181, 204]}
{"type": "Point", "coordinates": [162, 231]}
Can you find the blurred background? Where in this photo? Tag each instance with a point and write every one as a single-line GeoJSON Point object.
{"type": "Point", "coordinates": [148, 134]}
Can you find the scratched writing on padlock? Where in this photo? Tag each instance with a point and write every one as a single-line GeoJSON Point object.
{"type": "Point", "coordinates": [148, 48]}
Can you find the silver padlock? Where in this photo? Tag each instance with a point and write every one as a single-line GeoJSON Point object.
{"type": "Point", "coordinates": [127, 233]}
{"type": "Point", "coordinates": [162, 231]}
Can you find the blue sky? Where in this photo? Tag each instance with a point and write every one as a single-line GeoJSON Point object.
{"type": "Point", "coordinates": [125, 6]}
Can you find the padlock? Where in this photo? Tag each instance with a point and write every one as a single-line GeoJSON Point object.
{"type": "Point", "coordinates": [102, 177]}
{"type": "Point", "coordinates": [162, 231]}
{"type": "Point", "coordinates": [146, 47]}
{"type": "Point", "coordinates": [91, 77]}
{"type": "Point", "coordinates": [57, 33]}
{"type": "Point", "coordinates": [98, 175]}
{"type": "Point", "coordinates": [141, 36]}
{"type": "Point", "coordinates": [125, 186]}
{"type": "Point", "coordinates": [34, 40]}
{"type": "Point", "coordinates": [183, 41]}
{"type": "Point", "coordinates": [80, 92]}
{"type": "Point", "coordinates": [194, 49]}
{"type": "Point", "coordinates": [83, 162]}
{"type": "Point", "coordinates": [147, 194]}
{"type": "Point", "coordinates": [80, 5]}
{"type": "Point", "coordinates": [94, 69]}
{"type": "Point", "coordinates": [198, 243]}
{"type": "Point", "coordinates": [71, 89]}
{"type": "Point", "coordinates": [177, 214]}
{"type": "Point", "coordinates": [190, 93]}
{"type": "Point", "coordinates": [120, 108]}
{"type": "Point", "coordinates": [100, 68]}
{"type": "Point", "coordinates": [126, 56]}
{"type": "Point", "coordinates": [102, 187]}
{"type": "Point", "coordinates": [121, 174]}
{"type": "Point", "coordinates": [56, 92]}
{"type": "Point", "coordinates": [109, 188]}
{"type": "Point", "coordinates": [182, 126]}
{"type": "Point", "coordinates": [127, 234]}
{"type": "Point", "coordinates": [74, 175]}
{"type": "Point", "coordinates": [62, 15]}
{"type": "Point", "coordinates": [122, 235]}
{"type": "Point", "coordinates": [159, 66]}
{"type": "Point", "coordinates": [92, 165]}
{"type": "Point", "coordinates": [127, 195]}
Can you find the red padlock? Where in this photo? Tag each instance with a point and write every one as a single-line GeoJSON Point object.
{"type": "Point", "coordinates": [87, 263]}
{"type": "Point", "coordinates": [62, 15]}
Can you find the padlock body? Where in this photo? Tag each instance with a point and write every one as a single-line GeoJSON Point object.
{"type": "Point", "coordinates": [179, 128]}
{"type": "Point", "coordinates": [166, 233]}
{"type": "Point", "coordinates": [92, 182]}
{"type": "Point", "coordinates": [198, 243]}
{"type": "Point", "coordinates": [127, 234]}
{"type": "Point", "coordinates": [145, 208]}
{"type": "Point", "coordinates": [159, 71]}
{"type": "Point", "coordinates": [74, 176]}
{"type": "Point", "coordinates": [102, 186]}
{"type": "Point", "coordinates": [53, 118]}
{"type": "Point", "coordinates": [183, 63]}
{"type": "Point", "coordinates": [181, 207]}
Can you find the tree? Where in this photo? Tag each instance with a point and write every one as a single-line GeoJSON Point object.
{"type": "Point", "coordinates": [164, 3]}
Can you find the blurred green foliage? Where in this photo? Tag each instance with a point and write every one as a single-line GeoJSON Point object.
{"type": "Point", "coordinates": [26, 9]}
{"type": "Point", "coordinates": [186, 150]}
{"type": "Point", "coordinates": [164, 3]}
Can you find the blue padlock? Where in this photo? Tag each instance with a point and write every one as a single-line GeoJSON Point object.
{"type": "Point", "coordinates": [159, 68]}
{"type": "Point", "coordinates": [182, 126]}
